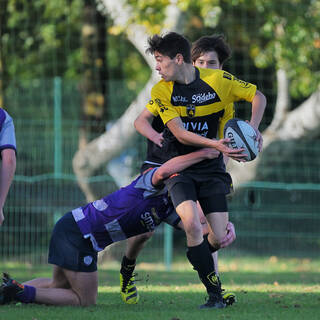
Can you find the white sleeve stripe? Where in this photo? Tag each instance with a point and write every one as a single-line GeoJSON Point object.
{"type": "Point", "coordinates": [115, 231]}
{"type": "Point", "coordinates": [78, 214]}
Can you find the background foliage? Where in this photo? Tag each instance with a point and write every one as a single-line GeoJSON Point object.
{"type": "Point", "coordinates": [42, 41]}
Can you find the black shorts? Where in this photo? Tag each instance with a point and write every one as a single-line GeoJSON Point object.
{"type": "Point", "coordinates": [211, 193]}
{"type": "Point", "coordinates": [68, 249]}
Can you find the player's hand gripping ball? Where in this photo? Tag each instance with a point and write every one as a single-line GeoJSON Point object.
{"type": "Point", "coordinates": [242, 135]}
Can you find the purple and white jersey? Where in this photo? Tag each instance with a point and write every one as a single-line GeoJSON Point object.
{"type": "Point", "coordinates": [132, 210]}
{"type": "Point", "coordinates": [7, 134]}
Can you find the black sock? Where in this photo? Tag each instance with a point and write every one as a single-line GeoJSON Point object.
{"type": "Point", "coordinates": [201, 259]}
{"type": "Point", "coordinates": [211, 247]}
{"type": "Point", "coordinates": [127, 265]}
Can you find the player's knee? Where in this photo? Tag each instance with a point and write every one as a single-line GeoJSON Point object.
{"type": "Point", "coordinates": [87, 300]}
{"type": "Point", "coordinates": [192, 228]}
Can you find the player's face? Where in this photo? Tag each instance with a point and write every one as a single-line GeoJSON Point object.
{"type": "Point", "coordinates": [208, 60]}
{"type": "Point", "coordinates": [166, 67]}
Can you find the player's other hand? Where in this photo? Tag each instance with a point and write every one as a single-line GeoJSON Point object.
{"type": "Point", "coordinates": [158, 139]}
{"type": "Point", "coordinates": [236, 154]}
{"type": "Point", "coordinates": [230, 236]}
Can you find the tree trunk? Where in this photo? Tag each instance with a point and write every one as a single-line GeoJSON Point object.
{"type": "Point", "coordinates": [99, 151]}
{"type": "Point", "coordinates": [283, 100]}
{"type": "Point", "coordinates": [107, 146]}
{"type": "Point", "coordinates": [94, 84]}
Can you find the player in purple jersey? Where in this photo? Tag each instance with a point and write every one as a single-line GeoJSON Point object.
{"type": "Point", "coordinates": [80, 234]}
{"type": "Point", "coordinates": [8, 157]}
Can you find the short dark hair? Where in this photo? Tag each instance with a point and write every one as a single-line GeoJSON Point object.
{"type": "Point", "coordinates": [170, 45]}
{"type": "Point", "coordinates": [215, 43]}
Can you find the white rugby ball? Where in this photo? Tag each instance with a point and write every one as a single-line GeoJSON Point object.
{"type": "Point", "coordinates": [242, 135]}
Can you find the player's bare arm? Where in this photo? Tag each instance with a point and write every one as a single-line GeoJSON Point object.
{"type": "Point", "coordinates": [180, 163]}
{"type": "Point", "coordinates": [143, 126]}
{"type": "Point", "coordinates": [184, 136]}
{"type": "Point", "coordinates": [259, 103]}
{"type": "Point", "coordinates": [7, 170]}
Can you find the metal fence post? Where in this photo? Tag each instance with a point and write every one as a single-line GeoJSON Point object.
{"type": "Point", "coordinates": [57, 135]}
{"type": "Point", "coordinates": [168, 244]}
{"type": "Point", "coordinates": [57, 128]}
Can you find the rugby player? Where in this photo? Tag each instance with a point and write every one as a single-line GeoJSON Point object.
{"type": "Point", "coordinates": [80, 234]}
{"type": "Point", "coordinates": [191, 102]}
{"type": "Point", "coordinates": [207, 52]}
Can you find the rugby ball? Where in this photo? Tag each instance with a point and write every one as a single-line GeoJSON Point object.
{"type": "Point", "coordinates": [242, 135]}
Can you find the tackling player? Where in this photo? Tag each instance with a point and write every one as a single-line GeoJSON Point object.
{"type": "Point", "coordinates": [79, 235]}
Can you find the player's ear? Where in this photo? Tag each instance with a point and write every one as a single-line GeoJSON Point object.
{"type": "Point", "coordinates": [179, 58]}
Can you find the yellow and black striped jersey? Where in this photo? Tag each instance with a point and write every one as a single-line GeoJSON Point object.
{"type": "Point", "coordinates": [204, 105]}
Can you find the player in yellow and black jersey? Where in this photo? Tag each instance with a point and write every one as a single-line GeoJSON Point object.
{"type": "Point", "coordinates": [204, 106]}
{"type": "Point", "coordinates": [207, 52]}
{"type": "Point", "coordinates": [191, 103]}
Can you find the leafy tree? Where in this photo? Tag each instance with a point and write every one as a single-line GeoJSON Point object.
{"type": "Point", "coordinates": [37, 32]}
{"type": "Point", "coordinates": [39, 40]}
{"type": "Point", "coordinates": [44, 39]}
{"type": "Point", "coordinates": [274, 39]}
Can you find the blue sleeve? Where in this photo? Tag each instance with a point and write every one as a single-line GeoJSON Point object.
{"type": "Point", "coordinates": [145, 182]}
{"type": "Point", "coordinates": [7, 134]}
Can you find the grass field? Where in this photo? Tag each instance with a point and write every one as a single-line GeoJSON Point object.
{"type": "Point", "coordinates": [266, 288]}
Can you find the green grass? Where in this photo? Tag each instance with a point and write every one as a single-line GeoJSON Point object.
{"type": "Point", "coordinates": [266, 288]}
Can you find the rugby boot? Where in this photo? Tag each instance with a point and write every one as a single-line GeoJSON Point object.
{"type": "Point", "coordinates": [128, 290]}
{"type": "Point", "coordinates": [9, 289]}
{"type": "Point", "coordinates": [228, 298]}
{"type": "Point", "coordinates": [215, 301]}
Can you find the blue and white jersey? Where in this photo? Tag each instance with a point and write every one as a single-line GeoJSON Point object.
{"type": "Point", "coordinates": [135, 209]}
{"type": "Point", "coordinates": [7, 134]}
